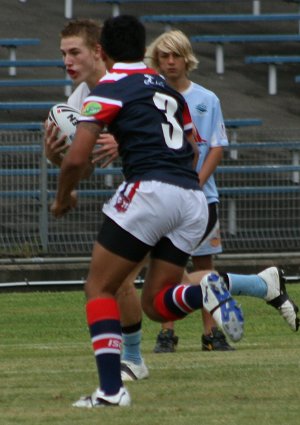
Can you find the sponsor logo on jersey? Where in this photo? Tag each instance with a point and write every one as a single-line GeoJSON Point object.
{"type": "Point", "coordinates": [91, 108]}
{"type": "Point", "coordinates": [202, 108]}
{"type": "Point", "coordinates": [151, 80]}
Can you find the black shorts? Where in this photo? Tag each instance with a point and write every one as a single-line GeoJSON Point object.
{"type": "Point", "coordinates": [117, 240]}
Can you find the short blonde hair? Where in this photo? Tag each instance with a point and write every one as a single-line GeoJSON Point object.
{"type": "Point", "coordinates": [174, 41]}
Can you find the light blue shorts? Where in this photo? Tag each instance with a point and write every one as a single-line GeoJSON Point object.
{"type": "Point", "coordinates": [211, 243]}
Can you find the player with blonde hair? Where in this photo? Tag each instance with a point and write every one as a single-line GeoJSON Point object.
{"type": "Point", "coordinates": [171, 54]}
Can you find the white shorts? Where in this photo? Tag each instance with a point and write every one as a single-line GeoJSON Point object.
{"type": "Point", "coordinates": [150, 210]}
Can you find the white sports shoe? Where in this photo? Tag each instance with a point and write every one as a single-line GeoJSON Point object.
{"type": "Point", "coordinates": [99, 399]}
{"type": "Point", "coordinates": [218, 301]}
{"type": "Point", "coordinates": [132, 372]}
{"type": "Point", "coordinates": [278, 298]}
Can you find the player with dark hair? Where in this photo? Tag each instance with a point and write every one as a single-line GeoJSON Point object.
{"type": "Point", "coordinates": [80, 48]}
{"type": "Point", "coordinates": [159, 209]}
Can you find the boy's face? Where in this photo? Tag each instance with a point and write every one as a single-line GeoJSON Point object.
{"type": "Point", "coordinates": [81, 61]}
{"type": "Point", "coordinates": [171, 65]}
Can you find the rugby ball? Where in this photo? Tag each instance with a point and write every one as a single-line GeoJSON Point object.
{"type": "Point", "coordinates": [65, 118]}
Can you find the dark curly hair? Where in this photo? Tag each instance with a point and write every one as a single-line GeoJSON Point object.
{"type": "Point", "coordinates": [123, 38]}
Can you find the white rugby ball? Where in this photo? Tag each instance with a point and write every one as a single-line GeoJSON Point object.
{"type": "Point", "coordinates": [65, 118]}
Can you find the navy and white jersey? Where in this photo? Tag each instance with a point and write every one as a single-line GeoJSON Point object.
{"type": "Point", "coordinates": [149, 120]}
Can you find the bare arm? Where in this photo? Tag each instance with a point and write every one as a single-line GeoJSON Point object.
{"type": "Point", "coordinates": [56, 147]}
{"type": "Point", "coordinates": [210, 164]}
{"type": "Point", "coordinates": [192, 141]}
{"type": "Point", "coordinates": [74, 166]}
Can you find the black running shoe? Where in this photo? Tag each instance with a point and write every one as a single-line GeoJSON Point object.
{"type": "Point", "coordinates": [216, 341]}
{"type": "Point", "coordinates": [166, 341]}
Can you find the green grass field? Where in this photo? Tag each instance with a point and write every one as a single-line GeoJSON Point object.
{"type": "Point", "coordinates": [46, 362]}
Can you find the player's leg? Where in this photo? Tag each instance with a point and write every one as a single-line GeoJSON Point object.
{"type": "Point", "coordinates": [268, 285]}
{"type": "Point", "coordinates": [132, 364]}
{"type": "Point", "coordinates": [202, 257]}
{"type": "Point", "coordinates": [166, 340]}
{"type": "Point", "coordinates": [213, 339]}
{"type": "Point", "coordinates": [115, 255]}
{"type": "Point", "coordinates": [164, 300]}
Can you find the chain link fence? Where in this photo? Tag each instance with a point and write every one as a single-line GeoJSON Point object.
{"type": "Point", "coordinates": [259, 185]}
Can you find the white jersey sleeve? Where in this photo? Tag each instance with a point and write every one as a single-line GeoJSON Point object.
{"type": "Point", "coordinates": [79, 94]}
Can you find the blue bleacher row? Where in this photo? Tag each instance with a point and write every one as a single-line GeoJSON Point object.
{"type": "Point", "coordinates": [293, 169]}
{"type": "Point", "coordinates": [219, 40]}
{"type": "Point", "coordinates": [116, 4]}
{"type": "Point", "coordinates": [117, 171]}
{"type": "Point", "coordinates": [234, 123]}
{"type": "Point", "coordinates": [273, 61]}
{"type": "Point", "coordinates": [246, 226]}
{"type": "Point", "coordinates": [287, 187]}
{"type": "Point", "coordinates": [230, 193]}
{"type": "Point", "coordinates": [168, 20]}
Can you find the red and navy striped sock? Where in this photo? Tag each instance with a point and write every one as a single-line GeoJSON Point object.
{"type": "Point", "coordinates": [103, 318]}
{"type": "Point", "coordinates": [176, 302]}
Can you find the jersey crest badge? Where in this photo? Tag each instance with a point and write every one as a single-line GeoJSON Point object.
{"type": "Point", "coordinates": [202, 108]}
{"type": "Point", "coordinates": [91, 108]}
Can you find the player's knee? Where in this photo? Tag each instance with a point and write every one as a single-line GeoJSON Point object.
{"type": "Point", "coordinates": [152, 314]}
{"type": "Point", "coordinates": [98, 289]}
{"type": "Point", "coordinates": [127, 289]}
{"type": "Point", "coordinates": [149, 309]}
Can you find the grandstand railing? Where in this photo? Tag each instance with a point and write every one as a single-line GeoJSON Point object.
{"type": "Point", "coordinates": [259, 199]}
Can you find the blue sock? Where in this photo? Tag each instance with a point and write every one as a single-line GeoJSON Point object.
{"type": "Point", "coordinates": [251, 285]}
{"type": "Point", "coordinates": [131, 343]}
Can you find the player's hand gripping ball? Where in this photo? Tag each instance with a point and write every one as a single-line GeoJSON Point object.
{"type": "Point", "coordinates": [65, 118]}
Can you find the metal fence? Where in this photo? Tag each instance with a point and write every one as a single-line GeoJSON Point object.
{"type": "Point", "coordinates": [259, 185]}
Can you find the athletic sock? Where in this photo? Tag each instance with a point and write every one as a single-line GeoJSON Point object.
{"type": "Point", "coordinates": [176, 302]}
{"type": "Point", "coordinates": [131, 343]}
{"type": "Point", "coordinates": [103, 318]}
{"type": "Point", "coordinates": [251, 285]}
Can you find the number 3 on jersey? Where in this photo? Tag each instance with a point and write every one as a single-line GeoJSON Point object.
{"type": "Point", "coordinates": [173, 133]}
